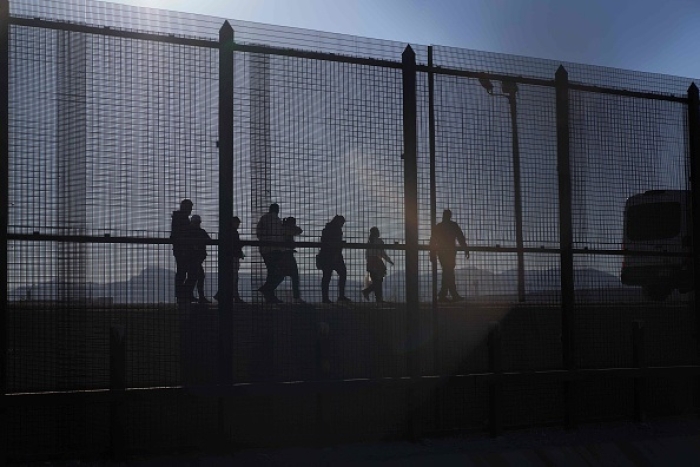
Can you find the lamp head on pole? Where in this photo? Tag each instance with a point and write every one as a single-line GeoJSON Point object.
{"type": "Point", "coordinates": [486, 84]}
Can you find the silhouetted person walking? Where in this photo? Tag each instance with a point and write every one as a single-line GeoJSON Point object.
{"type": "Point", "coordinates": [179, 231]}
{"type": "Point", "coordinates": [442, 246]}
{"type": "Point", "coordinates": [376, 268]}
{"type": "Point", "coordinates": [288, 263]}
{"type": "Point", "coordinates": [199, 239]}
{"type": "Point", "coordinates": [237, 258]}
{"type": "Point", "coordinates": [330, 258]}
{"type": "Point", "coordinates": [270, 229]}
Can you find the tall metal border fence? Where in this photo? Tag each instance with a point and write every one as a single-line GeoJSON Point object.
{"type": "Point", "coordinates": [112, 115]}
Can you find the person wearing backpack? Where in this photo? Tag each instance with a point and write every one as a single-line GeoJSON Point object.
{"type": "Point", "coordinates": [330, 258]}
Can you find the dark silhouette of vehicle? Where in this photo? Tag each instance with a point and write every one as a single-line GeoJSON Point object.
{"type": "Point", "coordinates": [657, 242]}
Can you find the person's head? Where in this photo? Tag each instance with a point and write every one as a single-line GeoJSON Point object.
{"type": "Point", "coordinates": [290, 221]}
{"type": "Point", "coordinates": [274, 207]}
{"type": "Point", "coordinates": [236, 222]}
{"type": "Point", "coordinates": [339, 220]}
{"type": "Point", "coordinates": [446, 215]}
{"type": "Point", "coordinates": [196, 220]}
{"type": "Point", "coordinates": [373, 233]}
{"type": "Point", "coordinates": [186, 206]}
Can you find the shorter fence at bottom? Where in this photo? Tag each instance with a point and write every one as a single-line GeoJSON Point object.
{"type": "Point", "coordinates": [488, 389]}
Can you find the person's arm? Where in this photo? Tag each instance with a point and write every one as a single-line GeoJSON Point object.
{"type": "Point", "coordinates": [386, 257]}
{"type": "Point", "coordinates": [259, 228]}
{"type": "Point", "coordinates": [237, 247]}
{"type": "Point", "coordinates": [383, 254]}
{"type": "Point", "coordinates": [462, 241]}
{"type": "Point", "coordinates": [433, 245]}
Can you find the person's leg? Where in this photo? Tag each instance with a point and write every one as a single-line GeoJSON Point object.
{"type": "Point", "coordinates": [236, 269]}
{"type": "Point", "coordinates": [294, 275]}
{"type": "Point", "coordinates": [276, 272]}
{"type": "Point", "coordinates": [191, 281]}
{"type": "Point", "coordinates": [180, 276]}
{"type": "Point", "coordinates": [200, 282]}
{"type": "Point", "coordinates": [452, 283]}
{"type": "Point", "coordinates": [342, 278]}
{"type": "Point", "coordinates": [442, 294]}
{"type": "Point", "coordinates": [266, 259]}
{"type": "Point", "coordinates": [370, 288]}
{"type": "Point", "coordinates": [449, 274]}
{"type": "Point", "coordinates": [274, 276]}
{"type": "Point", "coordinates": [378, 287]}
{"type": "Point", "coordinates": [447, 263]}
{"type": "Point", "coordinates": [325, 284]}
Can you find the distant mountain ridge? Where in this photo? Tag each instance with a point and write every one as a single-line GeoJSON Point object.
{"type": "Point", "coordinates": [155, 285]}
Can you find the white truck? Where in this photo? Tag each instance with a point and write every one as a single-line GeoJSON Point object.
{"type": "Point", "coordinates": [657, 242]}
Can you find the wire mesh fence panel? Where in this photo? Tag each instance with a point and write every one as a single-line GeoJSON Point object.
{"type": "Point", "coordinates": [120, 140]}
{"type": "Point", "coordinates": [54, 429]}
{"type": "Point", "coordinates": [108, 134]}
{"type": "Point", "coordinates": [605, 313]}
{"type": "Point", "coordinates": [527, 67]}
{"type": "Point", "coordinates": [621, 146]}
{"type": "Point", "coordinates": [320, 139]}
{"type": "Point", "coordinates": [474, 165]}
{"type": "Point", "coordinates": [630, 173]}
{"type": "Point", "coordinates": [114, 121]}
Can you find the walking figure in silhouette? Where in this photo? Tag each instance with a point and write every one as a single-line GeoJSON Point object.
{"type": "Point", "coordinates": [270, 229]}
{"type": "Point", "coordinates": [237, 258]}
{"type": "Point", "coordinates": [330, 258]}
{"type": "Point", "coordinates": [288, 263]}
{"type": "Point", "coordinates": [442, 247]}
{"type": "Point", "coordinates": [199, 239]}
{"type": "Point", "coordinates": [179, 231]}
{"type": "Point", "coordinates": [376, 268]}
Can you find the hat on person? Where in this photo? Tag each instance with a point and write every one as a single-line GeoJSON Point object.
{"type": "Point", "coordinates": [196, 219]}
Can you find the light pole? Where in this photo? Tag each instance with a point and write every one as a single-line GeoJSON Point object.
{"type": "Point", "coordinates": [509, 89]}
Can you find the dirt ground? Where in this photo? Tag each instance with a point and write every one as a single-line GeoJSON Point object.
{"type": "Point", "coordinates": [659, 443]}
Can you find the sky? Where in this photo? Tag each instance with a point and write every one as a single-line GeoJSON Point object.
{"type": "Point", "coordinates": [640, 35]}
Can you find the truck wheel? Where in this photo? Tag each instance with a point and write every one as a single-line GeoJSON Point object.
{"type": "Point", "coordinates": [657, 292]}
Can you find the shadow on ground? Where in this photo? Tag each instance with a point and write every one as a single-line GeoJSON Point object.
{"type": "Point", "coordinates": [659, 443]}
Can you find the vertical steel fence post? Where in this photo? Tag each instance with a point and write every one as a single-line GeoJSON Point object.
{"type": "Point", "coordinates": [117, 387]}
{"type": "Point", "coordinates": [511, 90]}
{"type": "Point", "coordinates": [565, 237]}
{"type": "Point", "coordinates": [433, 214]}
{"type": "Point", "coordinates": [225, 299]}
{"type": "Point", "coordinates": [495, 387]}
{"type": "Point", "coordinates": [4, 215]}
{"type": "Point", "coordinates": [411, 222]}
{"type": "Point", "coordinates": [433, 202]}
{"type": "Point", "coordinates": [694, 154]}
